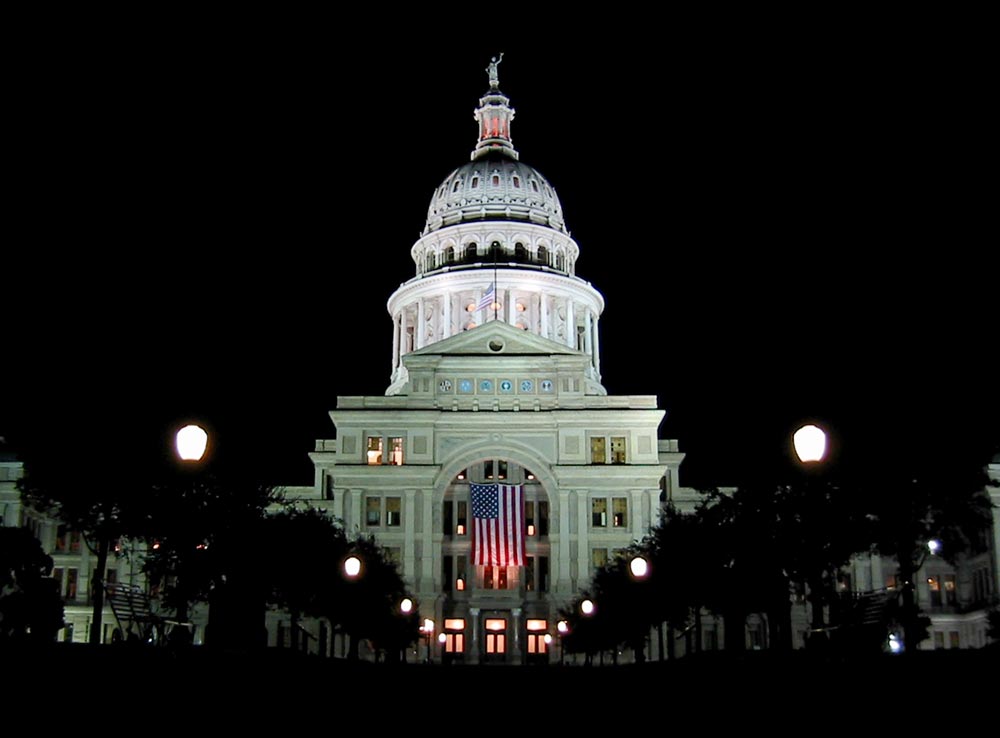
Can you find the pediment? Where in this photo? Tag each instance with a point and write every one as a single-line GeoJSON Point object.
{"type": "Point", "coordinates": [496, 338]}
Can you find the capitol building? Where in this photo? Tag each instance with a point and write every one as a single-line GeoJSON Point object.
{"type": "Point", "coordinates": [496, 380]}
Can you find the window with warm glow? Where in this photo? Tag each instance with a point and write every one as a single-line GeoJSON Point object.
{"type": "Point", "coordinates": [536, 644]}
{"type": "Point", "coordinates": [619, 509]}
{"type": "Point", "coordinates": [617, 449]}
{"type": "Point", "coordinates": [950, 593]}
{"type": "Point", "coordinates": [597, 450]}
{"type": "Point", "coordinates": [396, 451]}
{"type": "Point", "coordinates": [599, 512]}
{"type": "Point", "coordinates": [374, 445]}
{"type": "Point", "coordinates": [598, 557]}
{"type": "Point", "coordinates": [373, 511]}
{"type": "Point", "coordinates": [470, 308]}
{"type": "Point", "coordinates": [393, 511]}
{"type": "Point", "coordinates": [529, 517]}
{"type": "Point", "coordinates": [454, 643]}
{"type": "Point", "coordinates": [934, 584]}
{"type": "Point", "coordinates": [496, 624]}
{"type": "Point", "coordinates": [536, 625]}
{"type": "Point", "coordinates": [462, 517]}
{"type": "Point", "coordinates": [890, 582]}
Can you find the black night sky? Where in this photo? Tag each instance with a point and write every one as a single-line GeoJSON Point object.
{"type": "Point", "coordinates": [788, 226]}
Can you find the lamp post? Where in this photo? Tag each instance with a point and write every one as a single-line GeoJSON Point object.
{"type": "Point", "coordinates": [427, 628]}
{"type": "Point", "coordinates": [810, 443]}
{"type": "Point", "coordinates": [562, 627]}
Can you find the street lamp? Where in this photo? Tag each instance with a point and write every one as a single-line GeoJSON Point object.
{"type": "Point", "coordinates": [428, 630]}
{"type": "Point", "coordinates": [638, 567]}
{"type": "Point", "coordinates": [191, 440]}
{"type": "Point", "coordinates": [810, 443]}
{"type": "Point", "coordinates": [406, 606]}
{"type": "Point", "coordinates": [810, 446]}
{"type": "Point", "coordinates": [352, 567]}
{"type": "Point", "coordinates": [588, 608]}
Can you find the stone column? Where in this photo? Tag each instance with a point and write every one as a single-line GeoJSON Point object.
{"type": "Point", "coordinates": [582, 536]}
{"type": "Point", "coordinates": [570, 324]}
{"type": "Point", "coordinates": [597, 348]}
{"type": "Point", "coordinates": [420, 327]}
{"type": "Point", "coordinates": [587, 337]}
{"type": "Point", "coordinates": [515, 651]}
{"type": "Point", "coordinates": [338, 502]}
{"type": "Point", "coordinates": [402, 333]}
{"type": "Point", "coordinates": [473, 652]}
{"type": "Point", "coordinates": [395, 342]}
{"type": "Point", "coordinates": [544, 314]}
{"type": "Point", "coordinates": [355, 522]}
{"type": "Point", "coordinates": [448, 327]}
{"type": "Point", "coordinates": [431, 555]}
{"type": "Point", "coordinates": [410, 536]}
{"type": "Point", "coordinates": [560, 563]}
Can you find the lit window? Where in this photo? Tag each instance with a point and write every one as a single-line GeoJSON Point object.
{"type": "Point", "coordinates": [454, 624]}
{"type": "Point", "coordinates": [496, 636]}
{"type": "Point", "coordinates": [374, 450]}
{"type": "Point", "coordinates": [536, 625]}
{"type": "Point", "coordinates": [529, 517]}
{"type": "Point", "coordinates": [950, 593]}
{"type": "Point", "coordinates": [934, 583]}
{"type": "Point", "coordinates": [462, 515]}
{"type": "Point", "coordinates": [396, 451]}
{"type": "Point", "coordinates": [469, 326]}
{"type": "Point", "coordinates": [597, 450]}
{"type": "Point", "coordinates": [617, 449]}
{"type": "Point", "coordinates": [620, 512]}
{"type": "Point", "coordinates": [599, 513]}
{"type": "Point", "coordinates": [393, 511]}
{"type": "Point", "coordinates": [598, 557]}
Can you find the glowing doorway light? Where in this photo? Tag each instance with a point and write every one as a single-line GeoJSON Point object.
{"type": "Point", "coordinates": [192, 440]}
{"type": "Point", "coordinates": [810, 443]}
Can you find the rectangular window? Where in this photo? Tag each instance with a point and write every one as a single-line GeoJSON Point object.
{"type": "Point", "coordinates": [488, 469]}
{"type": "Point", "coordinates": [536, 643]}
{"type": "Point", "coordinates": [463, 515]}
{"type": "Point", "coordinates": [543, 573]}
{"type": "Point", "coordinates": [938, 640]}
{"type": "Point", "coordinates": [618, 449]}
{"type": "Point", "coordinates": [619, 509]}
{"type": "Point", "coordinates": [599, 513]}
{"type": "Point", "coordinates": [328, 488]}
{"type": "Point", "coordinates": [393, 511]}
{"type": "Point", "coordinates": [57, 576]}
{"type": "Point", "coordinates": [529, 518]}
{"type": "Point", "coordinates": [543, 518]}
{"type": "Point", "coordinates": [597, 452]}
{"type": "Point", "coordinates": [71, 575]}
{"type": "Point", "coordinates": [460, 575]}
{"type": "Point", "coordinates": [953, 639]}
{"type": "Point", "coordinates": [74, 542]}
{"type": "Point", "coordinates": [529, 574]}
{"type": "Point", "coordinates": [447, 572]}
{"type": "Point", "coordinates": [373, 511]}
{"type": "Point", "coordinates": [598, 557]}
{"type": "Point", "coordinates": [934, 584]}
{"type": "Point", "coordinates": [448, 518]}
{"type": "Point", "coordinates": [950, 592]}
{"type": "Point", "coordinates": [396, 451]}
{"type": "Point", "coordinates": [454, 643]}
{"type": "Point", "coordinates": [374, 450]}
{"type": "Point", "coordinates": [501, 469]}
{"type": "Point", "coordinates": [62, 538]}
{"type": "Point", "coordinates": [501, 577]}
{"type": "Point", "coordinates": [487, 577]}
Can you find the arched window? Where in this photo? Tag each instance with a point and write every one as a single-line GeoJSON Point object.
{"type": "Point", "coordinates": [496, 180]}
{"type": "Point", "coordinates": [534, 186]}
{"type": "Point", "coordinates": [517, 182]}
{"type": "Point", "coordinates": [475, 182]}
{"type": "Point", "coordinates": [496, 251]}
{"type": "Point", "coordinates": [449, 255]}
{"type": "Point", "coordinates": [559, 260]}
{"type": "Point", "coordinates": [471, 252]}
{"type": "Point", "coordinates": [543, 255]}
{"type": "Point", "coordinates": [430, 261]}
{"type": "Point", "coordinates": [454, 189]}
{"type": "Point", "coordinates": [520, 253]}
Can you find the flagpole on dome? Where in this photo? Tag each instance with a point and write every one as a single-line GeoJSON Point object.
{"type": "Point", "coordinates": [496, 301]}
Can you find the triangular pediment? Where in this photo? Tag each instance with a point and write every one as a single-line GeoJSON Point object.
{"type": "Point", "coordinates": [496, 338]}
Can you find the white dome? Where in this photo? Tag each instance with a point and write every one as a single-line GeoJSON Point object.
{"type": "Point", "coordinates": [495, 187]}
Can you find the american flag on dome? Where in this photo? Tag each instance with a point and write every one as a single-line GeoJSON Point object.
{"type": "Point", "coordinates": [498, 524]}
{"type": "Point", "coordinates": [488, 298]}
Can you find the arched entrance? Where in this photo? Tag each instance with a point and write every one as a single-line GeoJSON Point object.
{"type": "Point", "coordinates": [486, 604]}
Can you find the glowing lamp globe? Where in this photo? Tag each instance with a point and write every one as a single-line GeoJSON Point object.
{"type": "Point", "coordinates": [406, 606]}
{"type": "Point", "coordinates": [639, 567]}
{"type": "Point", "coordinates": [192, 440]}
{"type": "Point", "coordinates": [587, 607]}
{"type": "Point", "coordinates": [563, 627]}
{"type": "Point", "coordinates": [810, 443]}
{"type": "Point", "coordinates": [934, 545]}
{"type": "Point", "coordinates": [352, 566]}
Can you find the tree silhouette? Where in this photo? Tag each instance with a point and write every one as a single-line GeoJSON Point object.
{"type": "Point", "coordinates": [30, 606]}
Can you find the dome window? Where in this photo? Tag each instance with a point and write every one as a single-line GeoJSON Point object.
{"type": "Point", "coordinates": [559, 260]}
{"type": "Point", "coordinates": [430, 263]}
{"type": "Point", "coordinates": [449, 255]}
{"type": "Point", "coordinates": [495, 250]}
{"type": "Point", "coordinates": [471, 252]}
{"type": "Point", "coordinates": [520, 253]}
{"type": "Point", "coordinates": [496, 180]}
{"type": "Point", "coordinates": [475, 182]}
{"type": "Point", "coordinates": [517, 182]}
{"type": "Point", "coordinates": [543, 255]}
{"type": "Point", "coordinates": [534, 186]}
{"type": "Point", "coordinates": [458, 183]}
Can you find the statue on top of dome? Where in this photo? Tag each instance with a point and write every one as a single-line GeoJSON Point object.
{"type": "Point", "coordinates": [492, 71]}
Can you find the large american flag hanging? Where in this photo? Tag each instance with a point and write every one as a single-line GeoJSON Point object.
{"type": "Point", "coordinates": [498, 524]}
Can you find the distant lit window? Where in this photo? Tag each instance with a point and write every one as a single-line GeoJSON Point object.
{"type": "Point", "coordinates": [617, 449]}
{"type": "Point", "coordinates": [374, 450]}
{"type": "Point", "coordinates": [393, 511]}
{"type": "Point", "coordinates": [619, 512]}
{"type": "Point", "coordinates": [934, 584]}
{"type": "Point", "coordinates": [598, 446]}
{"type": "Point", "coordinates": [598, 558]}
{"type": "Point", "coordinates": [396, 451]}
{"type": "Point", "coordinates": [599, 512]}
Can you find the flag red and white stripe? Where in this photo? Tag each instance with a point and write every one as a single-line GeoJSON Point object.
{"type": "Point", "coordinates": [498, 524]}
